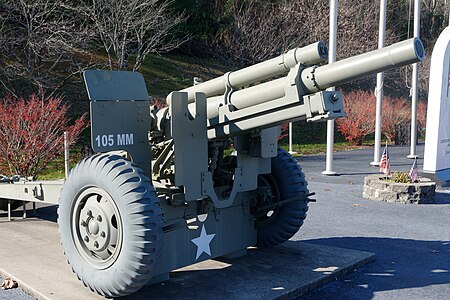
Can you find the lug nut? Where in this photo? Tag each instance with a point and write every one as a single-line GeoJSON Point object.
{"type": "Point", "coordinates": [86, 239]}
{"type": "Point", "coordinates": [102, 234]}
{"type": "Point", "coordinates": [99, 218]}
{"type": "Point", "coordinates": [96, 244]}
{"type": "Point", "coordinates": [89, 213]}
{"type": "Point", "coordinates": [83, 223]}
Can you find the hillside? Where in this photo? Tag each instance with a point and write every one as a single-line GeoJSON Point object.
{"type": "Point", "coordinates": [162, 73]}
{"type": "Point", "coordinates": [45, 44]}
{"type": "Point", "coordinates": [173, 72]}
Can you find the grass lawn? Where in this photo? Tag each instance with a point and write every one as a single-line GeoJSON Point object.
{"type": "Point", "coordinates": [55, 170]}
{"type": "Point", "coordinates": [164, 74]}
{"type": "Point", "coordinates": [320, 148]}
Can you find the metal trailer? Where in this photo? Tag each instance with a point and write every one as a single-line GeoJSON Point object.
{"type": "Point", "coordinates": [179, 197]}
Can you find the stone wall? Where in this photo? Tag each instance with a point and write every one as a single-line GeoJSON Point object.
{"type": "Point", "coordinates": [377, 188]}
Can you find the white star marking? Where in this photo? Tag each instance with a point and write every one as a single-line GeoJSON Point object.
{"type": "Point", "coordinates": [203, 242]}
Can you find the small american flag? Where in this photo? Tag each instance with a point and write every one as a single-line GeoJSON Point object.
{"type": "Point", "coordinates": [413, 174]}
{"type": "Point", "coordinates": [385, 165]}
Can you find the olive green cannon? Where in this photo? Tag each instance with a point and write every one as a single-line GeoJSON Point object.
{"type": "Point", "coordinates": [203, 177]}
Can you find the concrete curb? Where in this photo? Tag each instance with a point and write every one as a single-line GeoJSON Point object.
{"type": "Point", "coordinates": [335, 275]}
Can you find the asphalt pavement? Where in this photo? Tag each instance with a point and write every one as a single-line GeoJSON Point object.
{"type": "Point", "coordinates": [353, 166]}
{"type": "Point", "coordinates": [411, 242]}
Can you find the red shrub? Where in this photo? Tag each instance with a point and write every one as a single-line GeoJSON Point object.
{"type": "Point", "coordinates": [421, 116]}
{"type": "Point", "coordinates": [360, 120]}
{"type": "Point", "coordinates": [284, 132]}
{"type": "Point", "coordinates": [31, 133]}
{"type": "Point", "coordinates": [395, 111]}
{"type": "Point", "coordinates": [157, 103]}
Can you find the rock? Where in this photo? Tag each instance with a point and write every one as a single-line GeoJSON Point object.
{"type": "Point", "coordinates": [8, 283]}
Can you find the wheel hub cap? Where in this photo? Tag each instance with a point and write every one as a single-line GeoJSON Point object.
{"type": "Point", "coordinates": [98, 229]}
{"type": "Point", "coordinates": [93, 227]}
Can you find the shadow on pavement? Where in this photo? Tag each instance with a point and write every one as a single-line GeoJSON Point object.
{"type": "Point", "coordinates": [268, 273]}
{"type": "Point", "coordinates": [442, 198]}
{"type": "Point", "coordinates": [356, 173]}
{"type": "Point", "coordinates": [400, 264]}
{"type": "Point", "coordinates": [48, 213]}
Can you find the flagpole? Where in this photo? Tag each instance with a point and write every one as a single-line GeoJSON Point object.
{"type": "Point", "coordinates": [379, 88]}
{"type": "Point", "coordinates": [414, 88]}
{"type": "Point", "coordinates": [331, 58]}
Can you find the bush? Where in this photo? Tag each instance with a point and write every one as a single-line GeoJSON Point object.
{"type": "Point", "coordinates": [422, 117]}
{"type": "Point", "coordinates": [284, 132]}
{"type": "Point", "coordinates": [401, 177]}
{"type": "Point", "coordinates": [395, 111]}
{"type": "Point", "coordinates": [32, 133]}
{"type": "Point", "coordinates": [360, 109]}
{"type": "Point", "coordinates": [158, 103]}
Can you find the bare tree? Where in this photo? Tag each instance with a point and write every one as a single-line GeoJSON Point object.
{"type": "Point", "coordinates": [434, 18]}
{"type": "Point", "coordinates": [263, 29]}
{"type": "Point", "coordinates": [133, 27]}
{"type": "Point", "coordinates": [41, 44]}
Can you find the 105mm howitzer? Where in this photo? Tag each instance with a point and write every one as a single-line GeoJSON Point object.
{"type": "Point", "coordinates": [121, 231]}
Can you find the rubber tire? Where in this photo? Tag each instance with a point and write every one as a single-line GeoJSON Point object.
{"type": "Point", "coordinates": [14, 204]}
{"type": "Point", "coordinates": [141, 218]}
{"type": "Point", "coordinates": [289, 218]}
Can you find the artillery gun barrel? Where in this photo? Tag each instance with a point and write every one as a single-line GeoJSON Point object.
{"type": "Point", "coordinates": [396, 55]}
{"type": "Point", "coordinates": [309, 55]}
{"type": "Point", "coordinates": [319, 78]}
